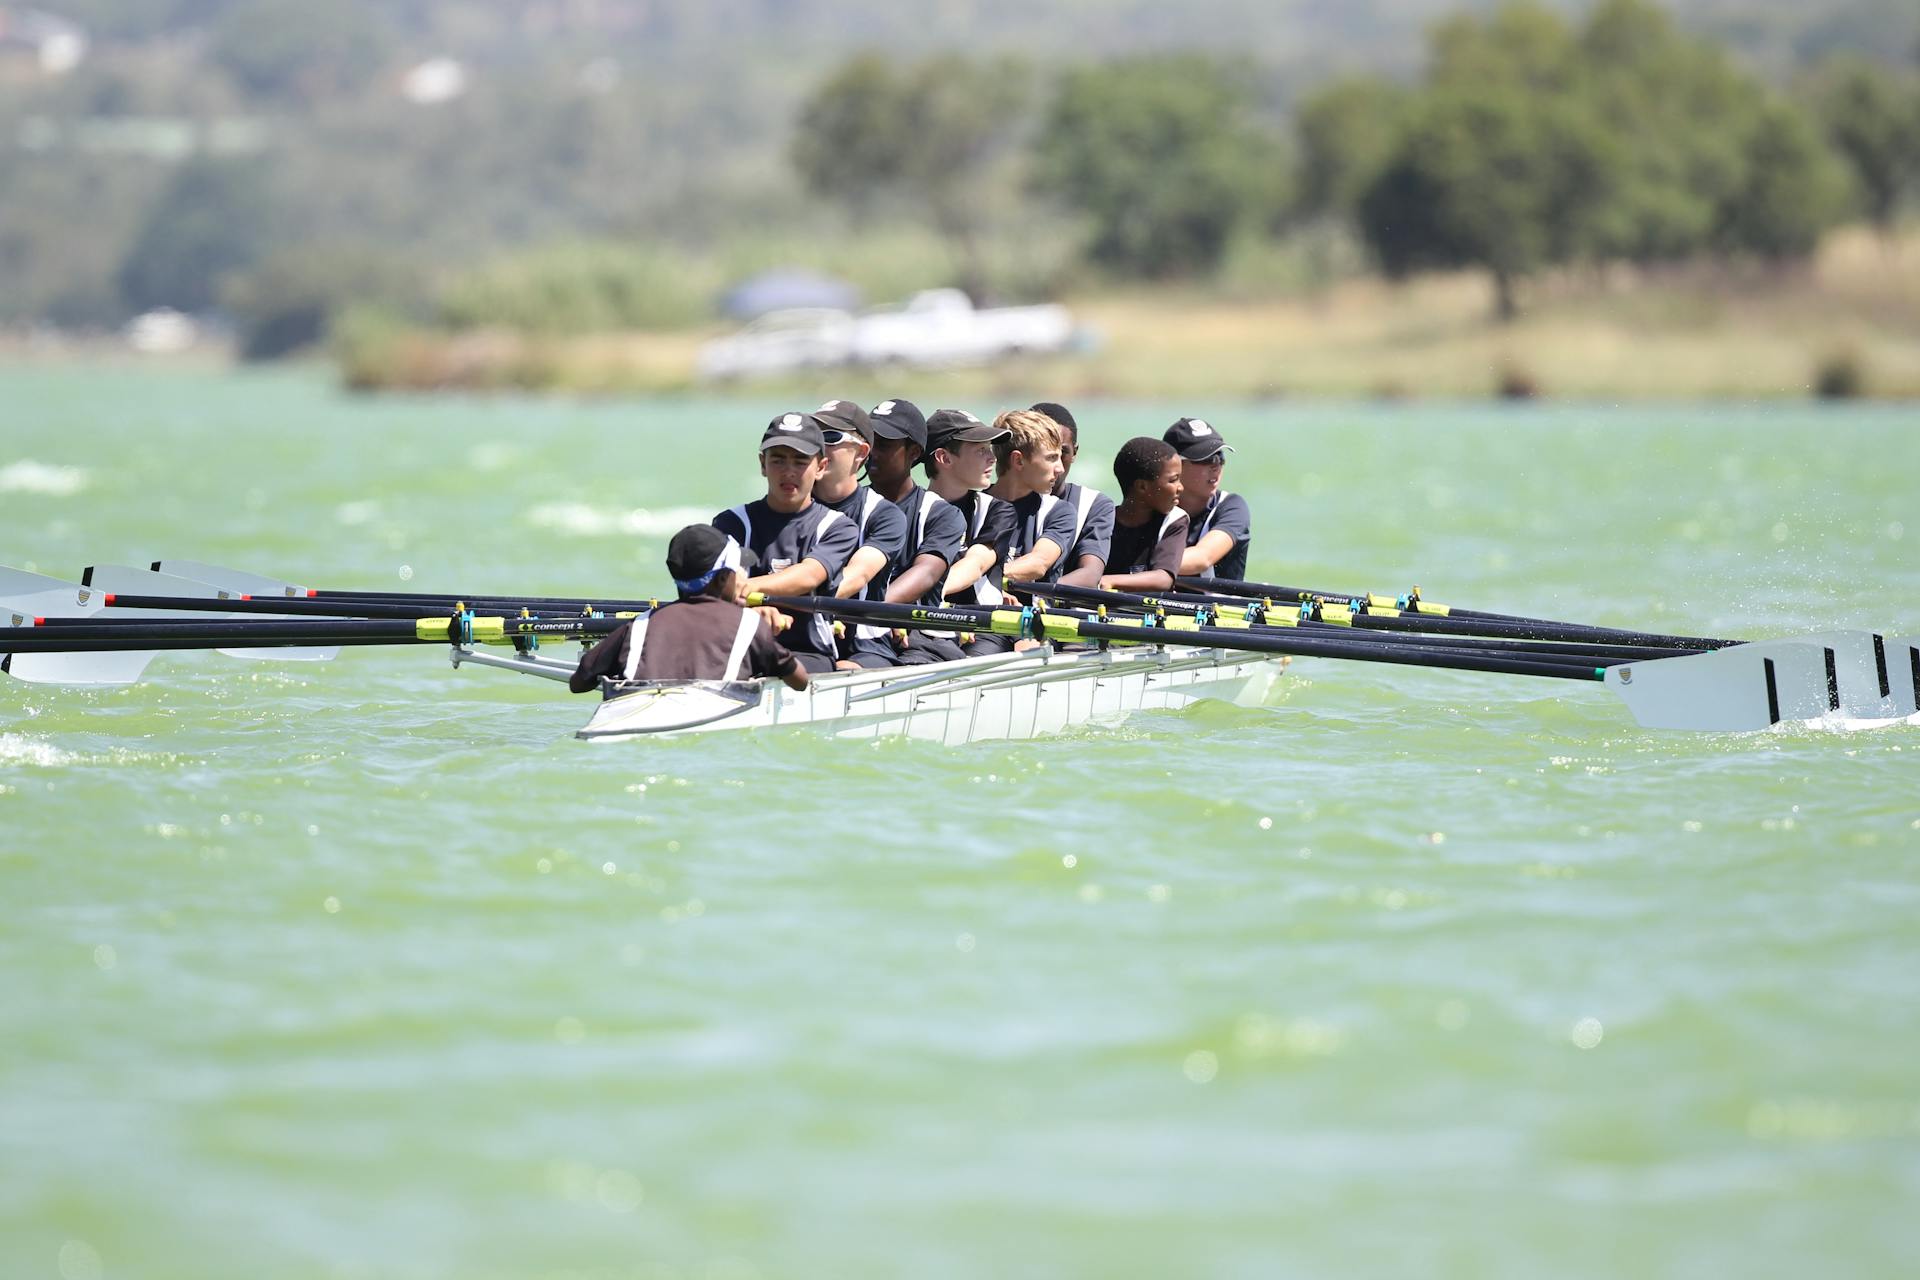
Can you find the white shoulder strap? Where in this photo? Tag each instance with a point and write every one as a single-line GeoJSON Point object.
{"type": "Point", "coordinates": [1082, 504]}
{"type": "Point", "coordinates": [867, 508]}
{"type": "Point", "coordinates": [1166, 521]}
{"type": "Point", "coordinates": [636, 641]}
{"type": "Point", "coordinates": [983, 503]}
{"type": "Point", "coordinates": [1047, 503]}
{"type": "Point", "coordinates": [746, 525]}
{"type": "Point", "coordinates": [827, 517]}
{"type": "Point", "coordinates": [926, 509]}
{"type": "Point", "coordinates": [1206, 520]}
{"type": "Point", "coordinates": [742, 640]}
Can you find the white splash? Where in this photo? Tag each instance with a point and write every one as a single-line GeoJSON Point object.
{"type": "Point", "coordinates": [28, 476]}
{"type": "Point", "coordinates": [581, 520]}
{"type": "Point", "coordinates": [18, 750]}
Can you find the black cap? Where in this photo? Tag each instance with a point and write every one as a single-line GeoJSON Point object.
{"type": "Point", "coordinates": [797, 431]}
{"type": "Point", "coordinates": [700, 550]}
{"type": "Point", "coordinates": [1058, 412]}
{"type": "Point", "coordinates": [845, 415]}
{"type": "Point", "coordinates": [1194, 440]}
{"type": "Point", "coordinates": [900, 420]}
{"type": "Point", "coordinates": [950, 426]}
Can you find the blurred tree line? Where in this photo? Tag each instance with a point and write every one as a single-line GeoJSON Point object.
{"type": "Point", "coordinates": [611, 164]}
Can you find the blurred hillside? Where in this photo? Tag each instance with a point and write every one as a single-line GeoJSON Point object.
{"type": "Point", "coordinates": [209, 152]}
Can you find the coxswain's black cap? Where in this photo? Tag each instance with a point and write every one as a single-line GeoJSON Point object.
{"type": "Point", "coordinates": [845, 415]}
{"type": "Point", "coordinates": [900, 420]}
{"type": "Point", "coordinates": [1195, 441]}
{"type": "Point", "coordinates": [700, 551]}
{"type": "Point", "coordinates": [948, 427]}
{"type": "Point", "coordinates": [797, 431]}
{"type": "Point", "coordinates": [1058, 412]}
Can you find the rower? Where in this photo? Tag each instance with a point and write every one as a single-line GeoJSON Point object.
{"type": "Point", "coordinates": [1086, 556]}
{"type": "Point", "coordinates": [1219, 525]}
{"type": "Point", "coordinates": [1149, 528]}
{"type": "Point", "coordinates": [704, 635]}
{"type": "Point", "coordinates": [936, 534]}
{"type": "Point", "coordinates": [848, 432]}
{"type": "Point", "coordinates": [959, 463]}
{"type": "Point", "coordinates": [1028, 459]}
{"type": "Point", "coordinates": [802, 545]}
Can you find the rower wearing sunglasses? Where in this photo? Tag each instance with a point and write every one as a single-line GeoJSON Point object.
{"type": "Point", "coordinates": [802, 545]}
{"type": "Point", "coordinates": [1219, 525]}
{"type": "Point", "coordinates": [848, 432]}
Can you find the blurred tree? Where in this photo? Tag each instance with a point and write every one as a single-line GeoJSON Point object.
{"type": "Point", "coordinates": [1680, 112]}
{"type": "Point", "coordinates": [852, 139]}
{"type": "Point", "coordinates": [1793, 189]}
{"type": "Point", "coordinates": [1347, 133]}
{"type": "Point", "coordinates": [213, 218]}
{"type": "Point", "coordinates": [1523, 45]}
{"type": "Point", "coordinates": [295, 51]}
{"type": "Point", "coordinates": [1491, 178]}
{"type": "Point", "coordinates": [287, 302]}
{"type": "Point", "coordinates": [1873, 118]}
{"type": "Point", "coordinates": [924, 135]}
{"type": "Point", "coordinates": [1164, 156]}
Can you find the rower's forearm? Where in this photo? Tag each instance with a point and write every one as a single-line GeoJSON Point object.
{"type": "Point", "coordinates": [1086, 573]}
{"type": "Point", "coordinates": [1034, 565]}
{"type": "Point", "coordinates": [918, 579]}
{"type": "Point", "coordinates": [866, 562]}
{"type": "Point", "coordinates": [971, 567]}
{"type": "Point", "coordinates": [1146, 580]}
{"type": "Point", "coordinates": [1206, 553]}
{"type": "Point", "coordinates": [794, 580]}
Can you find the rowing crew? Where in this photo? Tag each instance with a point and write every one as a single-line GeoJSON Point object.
{"type": "Point", "coordinates": [997, 510]}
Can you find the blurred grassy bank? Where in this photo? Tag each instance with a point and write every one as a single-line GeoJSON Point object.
{"type": "Point", "coordinates": [1846, 324]}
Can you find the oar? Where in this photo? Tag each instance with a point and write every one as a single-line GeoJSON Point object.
{"type": "Point", "coordinates": [1745, 687]}
{"type": "Point", "coordinates": [81, 635]}
{"type": "Point", "coordinates": [328, 608]}
{"type": "Point", "coordinates": [1412, 602]}
{"type": "Point", "coordinates": [1560, 638]}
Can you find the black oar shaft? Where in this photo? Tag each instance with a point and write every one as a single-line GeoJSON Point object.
{"type": "Point", "coordinates": [1057, 627]}
{"type": "Point", "coordinates": [1465, 636]}
{"type": "Point", "coordinates": [306, 608]}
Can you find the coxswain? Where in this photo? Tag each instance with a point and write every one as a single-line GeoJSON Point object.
{"type": "Point", "coordinates": [1086, 557]}
{"type": "Point", "coordinates": [704, 635]}
{"type": "Point", "coordinates": [848, 432]}
{"type": "Point", "coordinates": [1149, 528]}
{"type": "Point", "coordinates": [802, 545]}
{"type": "Point", "coordinates": [936, 535]}
{"type": "Point", "coordinates": [1219, 525]}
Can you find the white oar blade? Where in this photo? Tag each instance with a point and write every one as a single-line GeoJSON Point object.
{"type": "Point", "coordinates": [240, 582]}
{"type": "Point", "coordinates": [1734, 690]}
{"type": "Point", "coordinates": [1864, 677]}
{"type": "Point", "coordinates": [1903, 670]}
{"type": "Point", "coordinates": [25, 596]}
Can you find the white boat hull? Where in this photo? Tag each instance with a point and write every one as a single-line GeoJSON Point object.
{"type": "Point", "coordinates": [1004, 697]}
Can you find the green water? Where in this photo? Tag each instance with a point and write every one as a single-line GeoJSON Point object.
{"type": "Point", "coordinates": [368, 969]}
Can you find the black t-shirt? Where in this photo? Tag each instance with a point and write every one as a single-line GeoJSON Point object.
{"type": "Point", "coordinates": [1156, 544]}
{"type": "Point", "coordinates": [988, 523]}
{"type": "Point", "coordinates": [1037, 516]}
{"type": "Point", "coordinates": [689, 639]}
{"type": "Point", "coordinates": [935, 527]}
{"type": "Point", "coordinates": [1228, 513]}
{"type": "Point", "coordinates": [1093, 526]}
{"type": "Point", "coordinates": [882, 526]}
{"type": "Point", "coordinates": [782, 540]}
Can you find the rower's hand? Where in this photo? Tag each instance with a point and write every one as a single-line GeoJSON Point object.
{"type": "Point", "coordinates": [901, 638]}
{"type": "Point", "coordinates": [775, 619]}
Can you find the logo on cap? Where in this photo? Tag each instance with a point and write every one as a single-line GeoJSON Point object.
{"type": "Point", "coordinates": [831, 404]}
{"type": "Point", "coordinates": [791, 422]}
{"type": "Point", "coordinates": [884, 407]}
{"type": "Point", "coordinates": [1198, 427]}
